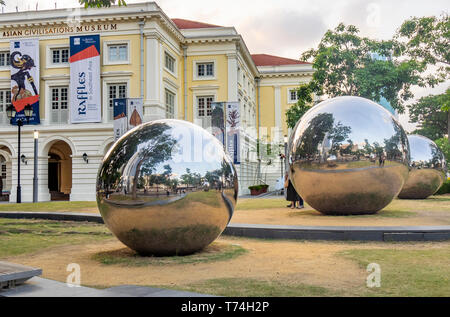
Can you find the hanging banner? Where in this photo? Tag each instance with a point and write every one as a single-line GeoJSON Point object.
{"type": "Point", "coordinates": [233, 125]}
{"type": "Point", "coordinates": [218, 121]}
{"type": "Point", "coordinates": [85, 90]}
{"type": "Point", "coordinates": [24, 58]}
{"type": "Point", "coordinates": [135, 112]}
{"type": "Point", "coordinates": [120, 117]}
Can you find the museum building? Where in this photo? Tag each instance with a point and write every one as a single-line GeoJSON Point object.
{"type": "Point", "coordinates": [178, 67]}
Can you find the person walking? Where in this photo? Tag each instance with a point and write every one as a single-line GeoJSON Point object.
{"type": "Point", "coordinates": [291, 194]}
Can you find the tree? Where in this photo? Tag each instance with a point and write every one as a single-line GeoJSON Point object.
{"type": "Point", "coordinates": [100, 3]}
{"type": "Point", "coordinates": [429, 114]}
{"type": "Point", "coordinates": [347, 64]}
{"type": "Point", "coordinates": [304, 102]}
{"type": "Point", "coordinates": [444, 146]}
{"type": "Point", "coordinates": [427, 40]}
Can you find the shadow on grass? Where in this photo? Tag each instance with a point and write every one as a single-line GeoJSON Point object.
{"type": "Point", "coordinates": [380, 214]}
{"type": "Point", "coordinates": [127, 257]}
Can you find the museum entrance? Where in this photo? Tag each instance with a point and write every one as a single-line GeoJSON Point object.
{"type": "Point", "coordinates": [60, 171]}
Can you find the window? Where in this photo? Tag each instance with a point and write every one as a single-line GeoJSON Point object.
{"type": "Point", "coordinates": [205, 70]}
{"type": "Point", "coordinates": [5, 102]}
{"type": "Point", "coordinates": [293, 96]}
{"type": "Point", "coordinates": [4, 59]}
{"type": "Point", "coordinates": [204, 106]}
{"type": "Point", "coordinates": [118, 52]}
{"type": "Point", "coordinates": [59, 111]}
{"type": "Point", "coordinates": [60, 55]}
{"type": "Point", "coordinates": [170, 62]}
{"type": "Point", "coordinates": [170, 104]}
{"type": "Point", "coordinates": [115, 91]}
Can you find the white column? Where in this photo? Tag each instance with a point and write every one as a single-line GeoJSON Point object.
{"type": "Point", "coordinates": [232, 77]}
{"type": "Point", "coordinates": [84, 177]}
{"type": "Point", "coordinates": [278, 126]}
{"type": "Point", "coordinates": [153, 105]}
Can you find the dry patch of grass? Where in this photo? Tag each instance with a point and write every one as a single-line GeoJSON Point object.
{"type": "Point", "coordinates": [214, 252]}
{"type": "Point", "coordinates": [54, 206]}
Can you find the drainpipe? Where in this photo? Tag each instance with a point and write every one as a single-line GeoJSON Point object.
{"type": "Point", "coordinates": [184, 81]}
{"type": "Point", "coordinates": [141, 30]}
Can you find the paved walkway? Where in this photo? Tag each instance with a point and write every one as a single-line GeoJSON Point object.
{"type": "Point", "coordinates": [41, 287]}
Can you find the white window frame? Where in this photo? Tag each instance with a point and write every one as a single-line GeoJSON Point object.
{"type": "Point", "coordinates": [290, 101]}
{"type": "Point", "coordinates": [175, 64]}
{"type": "Point", "coordinates": [49, 84]}
{"type": "Point", "coordinates": [195, 73]}
{"type": "Point", "coordinates": [106, 60]}
{"type": "Point", "coordinates": [50, 97]}
{"type": "Point", "coordinates": [49, 56]}
{"type": "Point", "coordinates": [166, 89]}
{"type": "Point", "coordinates": [3, 117]}
{"type": "Point", "coordinates": [5, 67]}
{"type": "Point", "coordinates": [199, 92]}
{"type": "Point", "coordinates": [105, 83]}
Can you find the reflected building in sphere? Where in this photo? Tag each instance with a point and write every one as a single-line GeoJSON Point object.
{"type": "Point", "coordinates": [167, 187]}
{"type": "Point", "coordinates": [348, 155]}
{"type": "Point", "coordinates": [428, 169]}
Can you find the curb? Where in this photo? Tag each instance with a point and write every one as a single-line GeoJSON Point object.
{"type": "Point", "coordinates": [261, 231]}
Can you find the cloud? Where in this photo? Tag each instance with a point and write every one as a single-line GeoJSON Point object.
{"type": "Point", "coordinates": [287, 33]}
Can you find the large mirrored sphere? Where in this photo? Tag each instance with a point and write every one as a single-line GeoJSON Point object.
{"type": "Point", "coordinates": [428, 169]}
{"type": "Point", "coordinates": [348, 155]}
{"type": "Point", "coordinates": [167, 187]}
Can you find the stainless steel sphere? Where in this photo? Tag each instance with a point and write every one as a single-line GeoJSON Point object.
{"type": "Point", "coordinates": [428, 169]}
{"type": "Point", "coordinates": [167, 187]}
{"type": "Point", "coordinates": [348, 155]}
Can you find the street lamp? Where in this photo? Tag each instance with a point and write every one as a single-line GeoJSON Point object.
{"type": "Point", "coordinates": [35, 177]}
{"type": "Point", "coordinates": [11, 113]}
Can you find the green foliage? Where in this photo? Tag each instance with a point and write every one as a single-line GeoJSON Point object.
{"type": "Point", "coordinates": [294, 113]}
{"type": "Point", "coordinates": [101, 3]}
{"type": "Point", "coordinates": [444, 146]}
{"type": "Point", "coordinates": [444, 189]}
{"type": "Point", "coordinates": [348, 64]}
{"type": "Point", "coordinates": [258, 187]}
{"type": "Point", "coordinates": [428, 113]}
{"type": "Point", "coordinates": [426, 40]}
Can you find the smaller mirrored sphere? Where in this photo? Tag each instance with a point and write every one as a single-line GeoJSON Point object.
{"type": "Point", "coordinates": [167, 187]}
{"type": "Point", "coordinates": [348, 155]}
{"type": "Point", "coordinates": [428, 169]}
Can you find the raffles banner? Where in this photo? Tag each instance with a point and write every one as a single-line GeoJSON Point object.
{"type": "Point", "coordinates": [25, 78]}
{"type": "Point", "coordinates": [233, 125]}
{"type": "Point", "coordinates": [85, 90]}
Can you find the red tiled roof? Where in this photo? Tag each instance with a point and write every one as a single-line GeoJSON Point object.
{"type": "Point", "coordinates": [188, 24]}
{"type": "Point", "coordinates": [271, 60]}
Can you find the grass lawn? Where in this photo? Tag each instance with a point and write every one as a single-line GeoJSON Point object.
{"type": "Point", "coordinates": [24, 236]}
{"type": "Point", "coordinates": [407, 272]}
{"type": "Point", "coordinates": [244, 287]}
{"type": "Point", "coordinates": [62, 206]}
{"type": "Point", "coordinates": [407, 269]}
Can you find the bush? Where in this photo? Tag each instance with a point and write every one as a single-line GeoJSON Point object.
{"type": "Point", "coordinates": [258, 187]}
{"type": "Point", "coordinates": [445, 188]}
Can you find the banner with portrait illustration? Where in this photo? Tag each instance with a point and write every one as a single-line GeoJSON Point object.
{"type": "Point", "coordinates": [218, 120]}
{"type": "Point", "coordinates": [24, 58]}
{"type": "Point", "coordinates": [85, 90]}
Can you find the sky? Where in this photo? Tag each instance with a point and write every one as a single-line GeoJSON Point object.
{"type": "Point", "coordinates": [288, 27]}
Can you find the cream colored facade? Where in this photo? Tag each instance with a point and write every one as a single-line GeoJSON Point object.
{"type": "Point", "coordinates": [148, 36]}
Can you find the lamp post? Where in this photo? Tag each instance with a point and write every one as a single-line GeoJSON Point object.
{"type": "Point", "coordinates": [11, 113]}
{"type": "Point", "coordinates": [35, 177]}
{"type": "Point", "coordinates": [285, 152]}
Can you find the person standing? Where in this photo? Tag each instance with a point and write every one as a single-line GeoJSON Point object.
{"type": "Point", "coordinates": [291, 194]}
